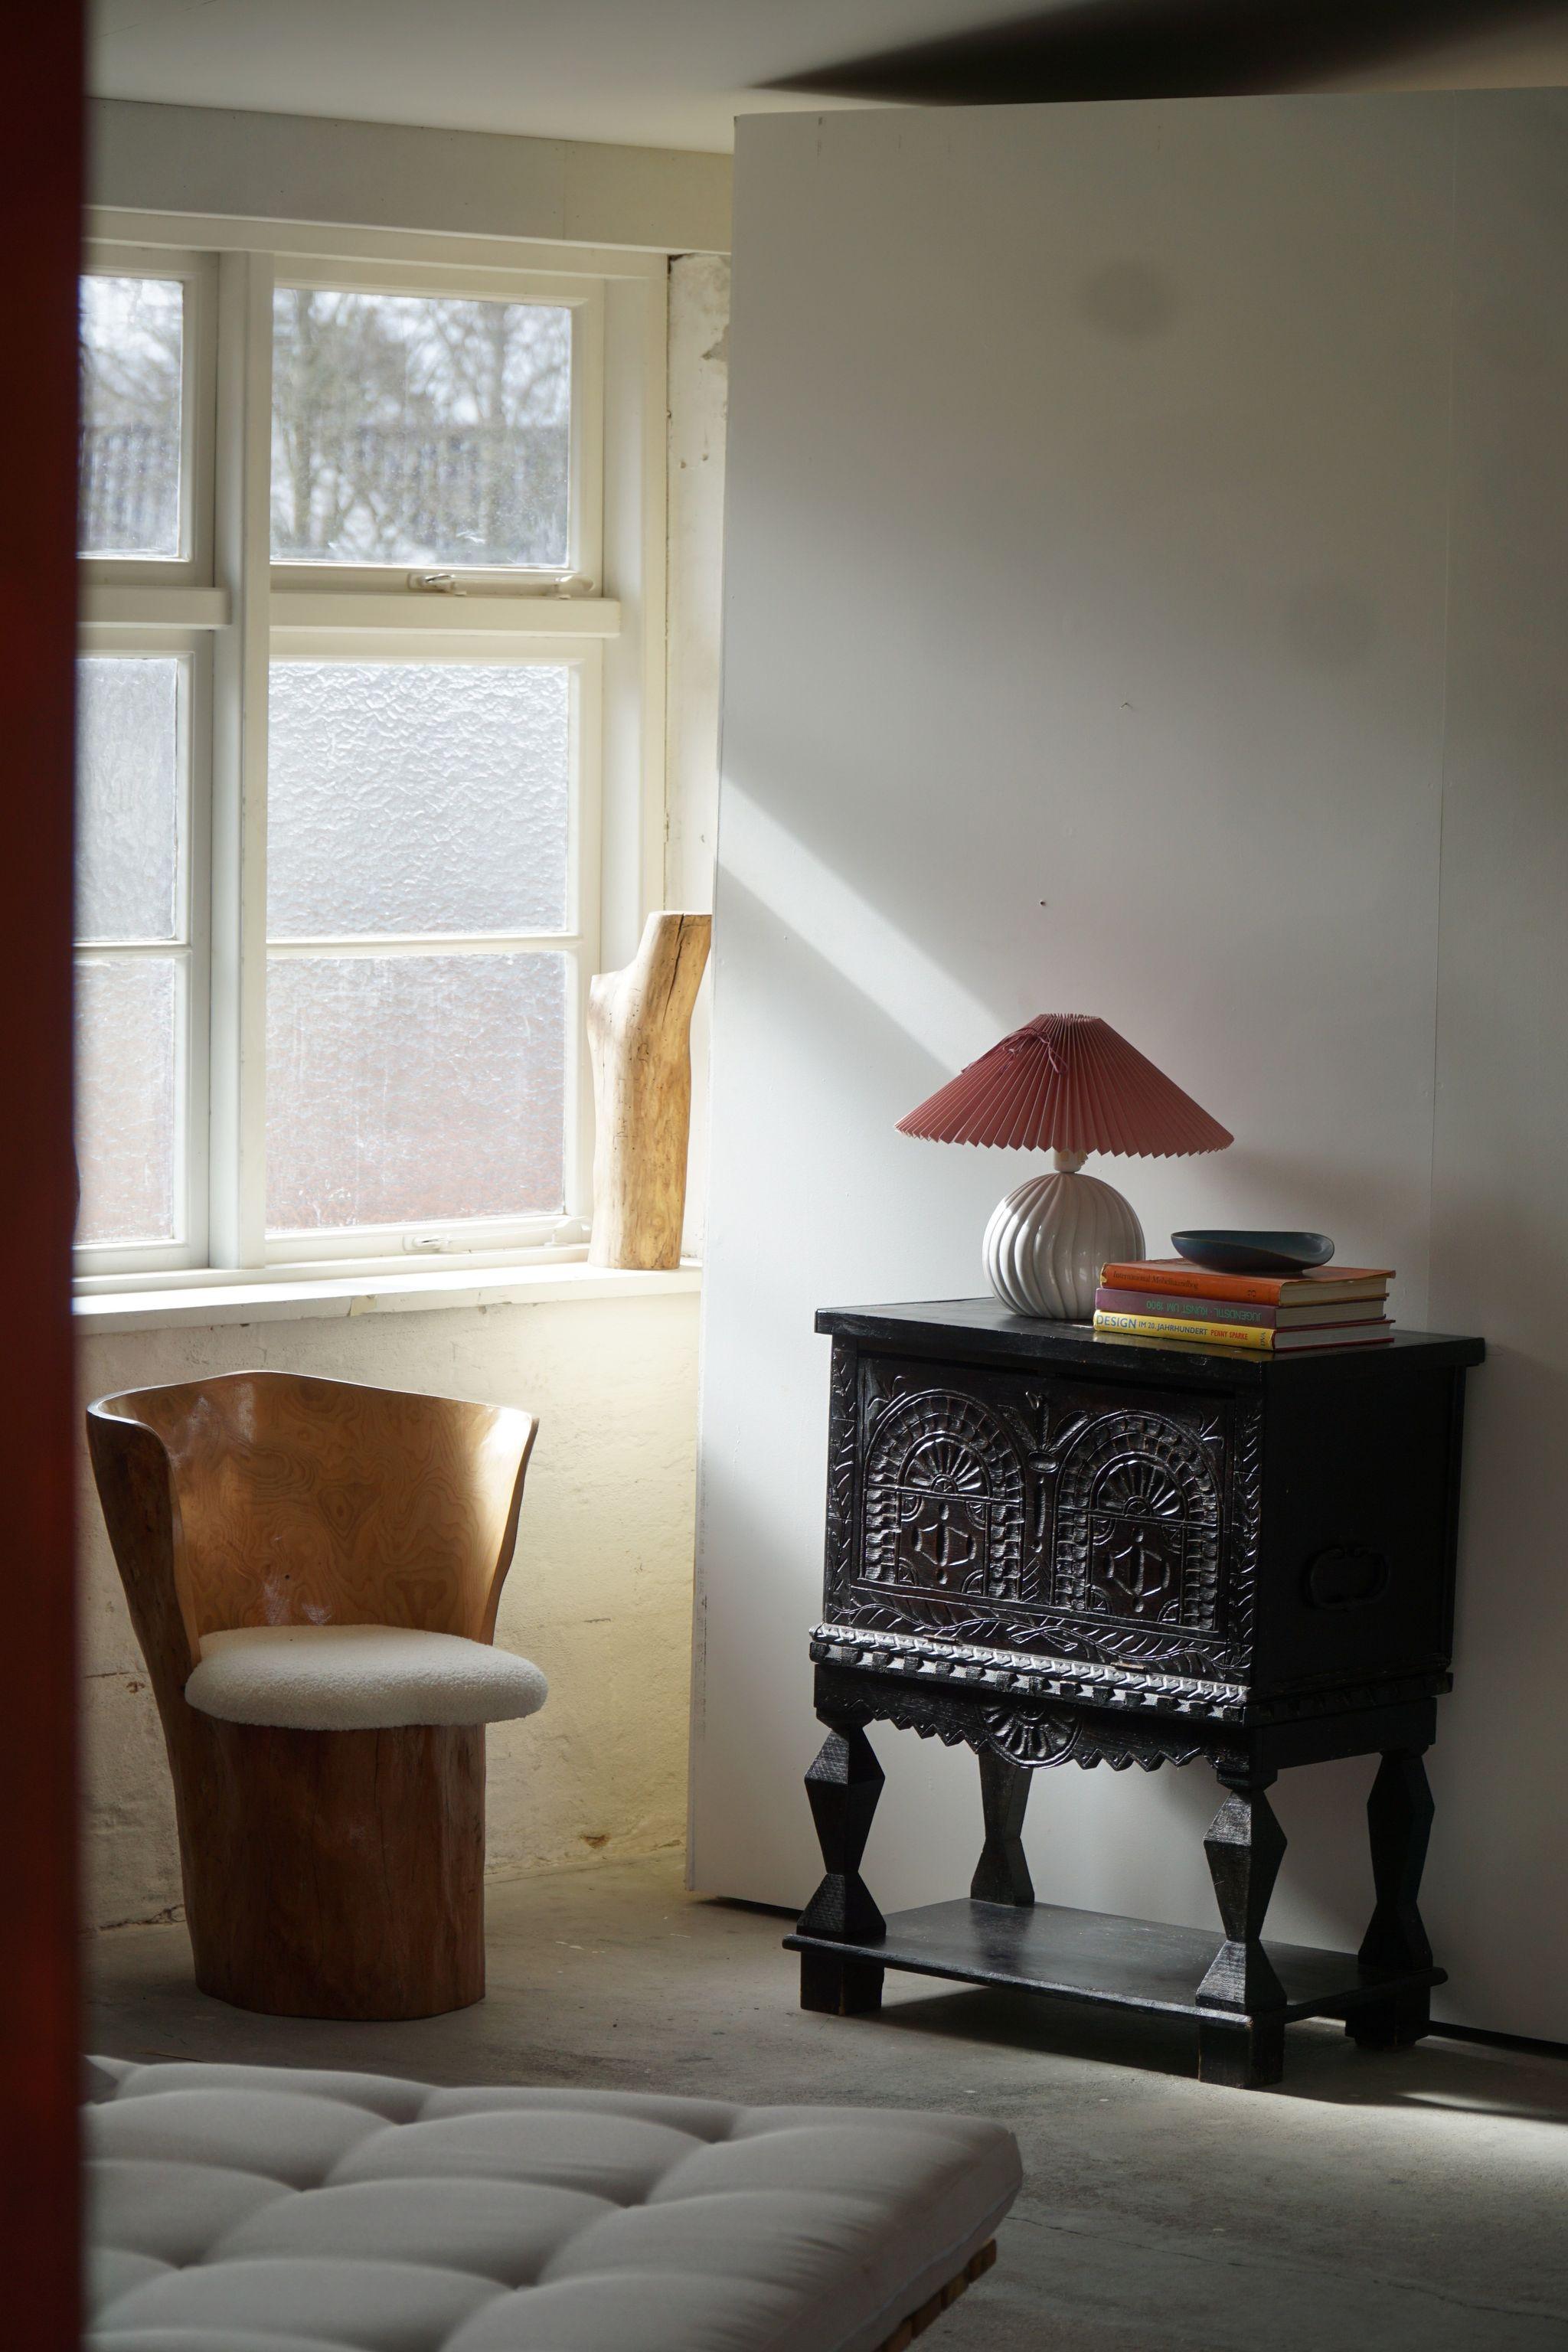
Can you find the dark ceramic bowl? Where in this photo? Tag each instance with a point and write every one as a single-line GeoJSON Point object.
{"type": "Point", "coordinates": [1233, 1251]}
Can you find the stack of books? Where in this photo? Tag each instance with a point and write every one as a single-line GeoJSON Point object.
{"type": "Point", "coordinates": [1168, 1298]}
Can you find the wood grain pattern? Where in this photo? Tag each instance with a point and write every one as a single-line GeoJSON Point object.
{"type": "Point", "coordinates": [639, 1024]}
{"type": "Point", "coordinates": [944, 2298]}
{"type": "Point", "coordinates": [328, 1874]}
{"type": "Point", "coordinates": [308, 1502]}
{"type": "Point", "coordinates": [356, 1888]}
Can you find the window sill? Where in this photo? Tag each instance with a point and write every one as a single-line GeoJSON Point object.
{"type": "Point", "coordinates": [383, 1293]}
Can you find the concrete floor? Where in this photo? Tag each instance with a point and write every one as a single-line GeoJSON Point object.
{"type": "Point", "coordinates": [1381, 2202]}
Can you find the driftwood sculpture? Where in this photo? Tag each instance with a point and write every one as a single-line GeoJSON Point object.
{"type": "Point", "coordinates": [639, 1024]}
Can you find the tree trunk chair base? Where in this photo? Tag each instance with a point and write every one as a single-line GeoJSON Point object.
{"type": "Point", "coordinates": [336, 1873]}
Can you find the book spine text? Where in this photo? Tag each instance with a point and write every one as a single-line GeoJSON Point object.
{"type": "Point", "coordinates": [1181, 1327]}
{"type": "Point", "coordinates": [1199, 1310]}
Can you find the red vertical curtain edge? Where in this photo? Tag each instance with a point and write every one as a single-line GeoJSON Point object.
{"type": "Point", "coordinates": [40, 77]}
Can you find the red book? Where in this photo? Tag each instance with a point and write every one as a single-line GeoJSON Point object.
{"type": "Point", "coordinates": [1180, 1278]}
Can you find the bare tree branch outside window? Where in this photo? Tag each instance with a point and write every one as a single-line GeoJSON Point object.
{"type": "Point", "coordinates": [412, 430]}
{"type": "Point", "coordinates": [133, 337]}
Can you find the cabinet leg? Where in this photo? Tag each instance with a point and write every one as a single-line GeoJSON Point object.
{"type": "Point", "coordinates": [1244, 2053]}
{"type": "Point", "coordinates": [839, 1988]}
{"type": "Point", "coordinates": [1395, 2023]}
{"type": "Point", "coordinates": [844, 1785]}
{"type": "Point", "coordinates": [1244, 1847]}
{"type": "Point", "coordinates": [1399, 1818]}
{"type": "Point", "coordinates": [1001, 1874]}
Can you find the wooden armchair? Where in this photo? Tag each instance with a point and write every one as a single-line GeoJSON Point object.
{"type": "Point", "coordinates": [329, 1782]}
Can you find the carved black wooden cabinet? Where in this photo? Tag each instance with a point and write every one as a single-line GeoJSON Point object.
{"type": "Point", "coordinates": [1053, 1548]}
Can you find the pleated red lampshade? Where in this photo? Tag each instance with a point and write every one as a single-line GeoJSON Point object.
{"type": "Point", "coordinates": [1066, 1081]}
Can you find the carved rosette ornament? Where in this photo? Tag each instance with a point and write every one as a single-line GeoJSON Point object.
{"type": "Point", "coordinates": [1033, 1739]}
{"type": "Point", "coordinates": [1138, 1524]}
{"type": "Point", "coordinates": [943, 1499]}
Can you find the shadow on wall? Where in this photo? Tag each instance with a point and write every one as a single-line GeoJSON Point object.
{"type": "Point", "coordinates": [898, 977]}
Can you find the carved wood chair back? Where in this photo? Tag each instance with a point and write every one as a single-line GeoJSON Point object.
{"type": "Point", "coordinates": [273, 1498]}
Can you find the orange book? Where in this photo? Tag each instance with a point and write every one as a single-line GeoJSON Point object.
{"type": "Point", "coordinates": [1322, 1285]}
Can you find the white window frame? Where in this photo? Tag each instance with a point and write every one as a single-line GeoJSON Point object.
{"type": "Point", "coordinates": [603, 615]}
{"type": "Point", "coordinates": [198, 274]}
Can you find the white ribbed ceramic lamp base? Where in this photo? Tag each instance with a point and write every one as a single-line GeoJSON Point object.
{"type": "Point", "coordinates": [1047, 1242]}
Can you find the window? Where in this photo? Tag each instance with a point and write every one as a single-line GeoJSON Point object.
{"type": "Point", "coordinates": [354, 719]}
{"type": "Point", "coordinates": [409, 430]}
{"type": "Point", "coordinates": [418, 852]}
{"type": "Point", "coordinates": [135, 991]}
{"type": "Point", "coordinates": [134, 406]}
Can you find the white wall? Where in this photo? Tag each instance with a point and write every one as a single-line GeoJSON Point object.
{"type": "Point", "coordinates": [1088, 638]}
{"type": "Point", "coordinates": [1498, 1260]}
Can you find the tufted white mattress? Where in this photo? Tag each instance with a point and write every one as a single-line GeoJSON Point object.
{"type": "Point", "coordinates": [359, 1678]}
{"type": "Point", "coordinates": [251, 2208]}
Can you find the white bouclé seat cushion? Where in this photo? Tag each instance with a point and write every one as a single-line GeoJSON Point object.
{"type": "Point", "coordinates": [359, 1678]}
{"type": "Point", "coordinates": [248, 2209]}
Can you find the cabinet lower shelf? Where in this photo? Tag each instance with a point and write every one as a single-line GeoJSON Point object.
{"type": "Point", "coordinates": [1098, 1956]}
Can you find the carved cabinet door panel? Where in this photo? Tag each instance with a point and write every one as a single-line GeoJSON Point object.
{"type": "Point", "coordinates": [1067, 1516]}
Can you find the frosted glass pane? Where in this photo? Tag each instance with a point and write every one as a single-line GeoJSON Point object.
{"type": "Point", "coordinates": [403, 1089]}
{"type": "Point", "coordinates": [410, 430]}
{"type": "Point", "coordinates": [133, 334]}
{"type": "Point", "coordinates": [127, 1016]}
{"type": "Point", "coordinates": [128, 796]}
{"type": "Point", "coordinates": [416, 799]}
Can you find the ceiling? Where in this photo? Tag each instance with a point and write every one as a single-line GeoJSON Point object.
{"type": "Point", "coordinates": [641, 73]}
{"type": "Point", "coordinates": [650, 73]}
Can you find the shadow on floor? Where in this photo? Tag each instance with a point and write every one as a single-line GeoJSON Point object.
{"type": "Point", "coordinates": [1322, 2063]}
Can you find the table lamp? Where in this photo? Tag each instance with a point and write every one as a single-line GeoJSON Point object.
{"type": "Point", "coordinates": [1065, 1082]}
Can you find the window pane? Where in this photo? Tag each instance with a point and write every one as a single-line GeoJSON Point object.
{"type": "Point", "coordinates": [408, 430]}
{"type": "Point", "coordinates": [128, 798]}
{"type": "Point", "coordinates": [127, 1024]}
{"type": "Point", "coordinates": [132, 336]}
{"type": "Point", "coordinates": [403, 1089]}
{"type": "Point", "coordinates": [407, 798]}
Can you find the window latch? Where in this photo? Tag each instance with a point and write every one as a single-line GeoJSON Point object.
{"type": "Point", "coordinates": [435, 583]}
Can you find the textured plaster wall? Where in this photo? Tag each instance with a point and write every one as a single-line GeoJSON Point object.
{"type": "Point", "coordinates": [599, 1594]}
